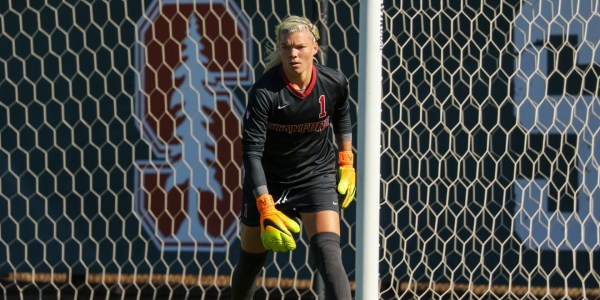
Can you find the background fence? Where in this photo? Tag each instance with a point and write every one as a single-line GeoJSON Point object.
{"type": "Point", "coordinates": [490, 146]}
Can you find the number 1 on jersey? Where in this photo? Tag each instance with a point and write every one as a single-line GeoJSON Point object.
{"type": "Point", "coordinates": [322, 102]}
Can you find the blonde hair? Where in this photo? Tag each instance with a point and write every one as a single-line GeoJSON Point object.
{"type": "Point", "coordinates": [289, 25]}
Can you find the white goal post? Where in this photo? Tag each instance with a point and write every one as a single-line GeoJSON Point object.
{"type": "Point", "coordinates": [369, 125]}
{"type": "Point", "coordinates": [477, 131]}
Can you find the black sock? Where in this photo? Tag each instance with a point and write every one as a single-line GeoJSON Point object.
{"type": "Point", "coordinates": [243, 281]}
{"type": "Point", "coordinates": [325, 248]}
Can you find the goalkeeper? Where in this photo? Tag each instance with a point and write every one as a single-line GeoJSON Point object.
{"type": "Point", "coordinates": [291, 167]}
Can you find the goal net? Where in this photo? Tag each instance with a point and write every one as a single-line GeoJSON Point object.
{"type": "Point", "coordinates": [120, 155]}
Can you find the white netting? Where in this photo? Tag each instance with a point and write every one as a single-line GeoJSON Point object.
{"type": "Point", "coordinates": [491, 123]}
{"type": "Point", "coordinates": [118, 119]}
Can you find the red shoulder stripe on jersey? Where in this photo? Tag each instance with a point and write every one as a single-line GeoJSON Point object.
{"type": "Point", "coordinates": [310, 87]}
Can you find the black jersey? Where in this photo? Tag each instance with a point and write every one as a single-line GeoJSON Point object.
{"type": "Point", "coordinates": [287, 136]}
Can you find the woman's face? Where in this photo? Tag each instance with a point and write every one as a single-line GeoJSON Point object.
{"type": "Point", "coordinates": [297, 51]}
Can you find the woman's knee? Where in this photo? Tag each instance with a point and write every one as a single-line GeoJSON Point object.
{"type": "Point", "coordinates": [250, 239]}
{"type": "Point", "coordinates": [321, 221]}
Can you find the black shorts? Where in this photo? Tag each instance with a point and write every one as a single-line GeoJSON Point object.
{"type": "Point", "coordinates": [292, 202]}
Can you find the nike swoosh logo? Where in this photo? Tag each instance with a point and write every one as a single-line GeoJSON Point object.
{"type": "Point", "coordinates": [270, 223]}
{"type": "Point", "coordinates": [282, 106]}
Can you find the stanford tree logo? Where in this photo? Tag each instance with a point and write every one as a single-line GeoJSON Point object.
{"type": "Point", "coordinates": [188, 192]}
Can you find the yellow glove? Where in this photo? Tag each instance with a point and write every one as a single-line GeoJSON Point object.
{"type": "Point", "coordinates": [275, 226]}
{"type": "Point", "coordinates": [347, 178]}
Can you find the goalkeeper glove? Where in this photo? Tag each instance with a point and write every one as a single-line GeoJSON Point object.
{"type": "Point", "coordinates": [275, 226]}
{"type": "Point", "coordinates": [347, 178]}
